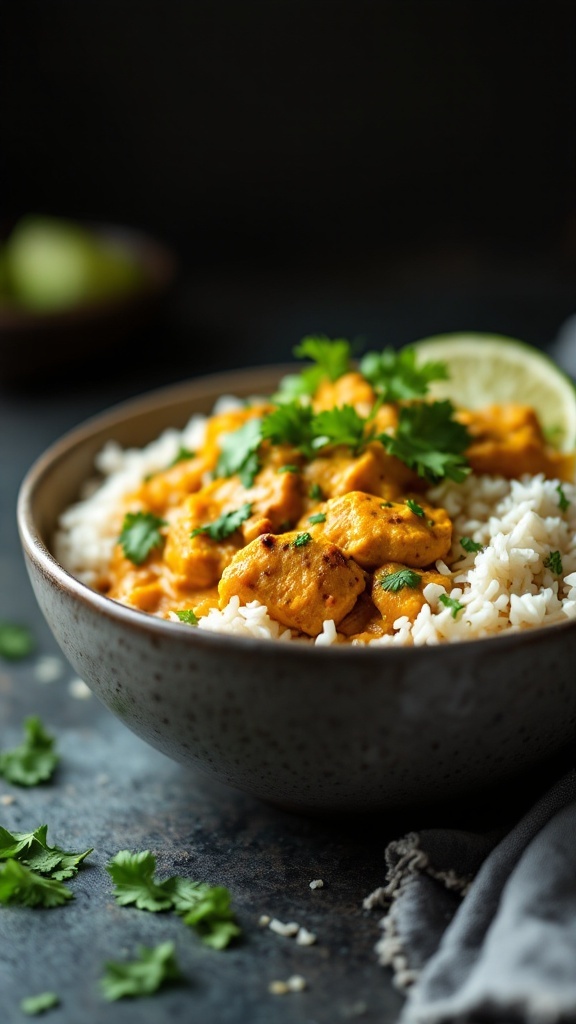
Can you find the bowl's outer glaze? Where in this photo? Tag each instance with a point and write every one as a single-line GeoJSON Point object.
{"type": "Point", "coordinates": [310, 728]}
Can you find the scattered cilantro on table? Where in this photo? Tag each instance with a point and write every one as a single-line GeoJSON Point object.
{"type": "Point", "coordinates": [154, 968]}
{"type": "Point", "coordinates": [226, 524]}
{"type": "Point", "coordinates": [203, 907]}
{"type": "Point", "coordinates": [32, 1006]}
{"type": "Point", "coordinates": [140, 534]}
{"type": "Point", "coordinates": [19, 885]}
{"type": "Point", "coordinates": [16, 641]}
{"type": "Point", "coordinates": [34, 760]}
{"type": "Point", "coordinates": [32, 872]}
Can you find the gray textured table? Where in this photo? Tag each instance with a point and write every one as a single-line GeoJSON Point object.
{"type": "Point", "coordinates": [113, 792]}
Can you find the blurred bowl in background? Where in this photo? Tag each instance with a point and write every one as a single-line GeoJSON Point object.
{"type": "Point", "coordinates": [45, 338]}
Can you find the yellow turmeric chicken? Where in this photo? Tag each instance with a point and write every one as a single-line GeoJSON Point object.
{"type": "Point", "coordinates": [315, 503]}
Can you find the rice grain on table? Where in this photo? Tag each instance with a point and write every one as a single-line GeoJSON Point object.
{"type": "Point", "coordinates": [509, 584]}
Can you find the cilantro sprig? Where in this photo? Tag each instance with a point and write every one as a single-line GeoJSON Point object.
{"type": "Point", "coordinates": [451, 603]}
{"type": "Point", "coordinates": [395, 376]}
{"type": "Point", "coordinates": [187, 615]}
{"type": "Point", "coordinates": [32, 1006]}
{"type": "Point", "coordinates": [16, 641]}
{"type": "Point", "coordinates": [395, 581]}
{"type": "Point", "coordinates": [472, 547]}
{"type": "Point", "coordinates": [563, 503]}
{"type": "Point", "coordinates": [32, 873]}
{"type": "Point", "coordinates": [554, 562]}
{"type": "Point", "coordinates": [203, 907]}
{"type": "Point", "coordinates": [153, 968]}
{"type": "Point", "coordinates": [331, 359]}
{"type": "Point", "coordinates": [140, 534]}
{"type": "Point", "coordinates": [226, 524]}
{"type": "Point", "coordinates": [32, 761]}
{"type": "Point", "coordinates": [239, 452]}
{"type": "Point", "coordinates": [429, 440]}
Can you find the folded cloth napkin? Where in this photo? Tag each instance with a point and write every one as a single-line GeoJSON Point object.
{"type": "Point", "coordinates": [483, 928]}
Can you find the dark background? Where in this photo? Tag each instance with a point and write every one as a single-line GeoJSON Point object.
{"type": "Point", "coordinates": [382, 170]}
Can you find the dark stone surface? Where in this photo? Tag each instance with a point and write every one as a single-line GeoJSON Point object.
{"type": "Point", "coordinates": [112, 792]}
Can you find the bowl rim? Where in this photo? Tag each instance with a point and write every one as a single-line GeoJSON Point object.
{"type": "Point", "coordinates": [161, 399]}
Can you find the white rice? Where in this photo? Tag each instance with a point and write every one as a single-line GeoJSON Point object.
{"type": "Point", "coordinates": [505, 586]}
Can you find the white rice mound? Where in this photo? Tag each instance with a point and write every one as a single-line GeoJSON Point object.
{"type": "Point", "coordinates": [508, 585]}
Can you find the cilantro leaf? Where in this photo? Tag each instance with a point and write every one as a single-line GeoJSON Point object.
{"type": "Point", "coordinates": [301, 540]}
{"type": "Point", "coordinates": [430, 441]}
{"type": "Point", "coordinates": [206, 909]}
{"type": "Point", "coordinates": [331, 359]}
{"type": "Point", "coordinates": [34, 1005]}
{"type": "Point", "coordinates": [395, 581]}
{"type": "Point", "coordinates": [140, 535]}
{"type": "Point", "coordinates": [563, 503]}
{"type": "Point", "coordinates": [154, 968]}
{"type": "Point", "coordinates": [288, 468]}
{"type": "Point", "coordinates": [133, 877]}
{"type": "Point", "coordinates": [452, 603]}
{"type": "Point", "coordinates": [19, 885]}
{"type": "Point", "coordinates": [15, 641]}
{"type": "Point", "coordinates": [471, 546]}
{"type": "Point", "coordinates": [187, 615]}
{"type": "Point", "coordinates": [415, 507]}
{"type": "Point", "coordinates": [395, 375]}
{"type": "Point", "coordinates": [342, 425]}
{"type": "Point", "coordinates": [239, 452]}
{"type": "Point", "coordinates": [554, 562]}
{"type": "Point", "coordinates": [34, 760]}
{"type": "Point", "coordinates": [316, 493]}
{"type": "Point", "coordinates": [182, 455]}
{"type": "Point", "coordinates": [290, 423]}
{"type": "Point", "coordinates": [33, 850]}
{"type": "Point", "coordinates": [318, 517]}
{"type": "Point", "coordinates": [226, 524]}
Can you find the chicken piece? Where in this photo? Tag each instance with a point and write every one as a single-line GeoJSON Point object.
{"type": "Point", "coordinates": [507, 440]}
{"type": "Point", "coordinates": [408, 599]}
{"type": "Point", "coordinates": [277, 495]}
{"type": "Point", "coordinates": [374, 471]}
{"type": "Point", "coordinates": [198, 561]}
{"type": "Point", "coordinates": [350, 389]}
{"type": "Point", "coordinates": [166, 489]}
{"type": "Point", "coordinates": [363, 618]}
{"type": "Point", "coordinates": [301, 581]}
{"type": "Point", "coordinates": [372, 531]}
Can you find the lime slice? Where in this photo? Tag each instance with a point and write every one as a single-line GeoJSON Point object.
{"type": "Point", "coordinates": [489, 369]}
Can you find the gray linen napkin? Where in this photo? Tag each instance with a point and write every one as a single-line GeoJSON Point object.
{"type": "Point", "coordinates": [483, 928]}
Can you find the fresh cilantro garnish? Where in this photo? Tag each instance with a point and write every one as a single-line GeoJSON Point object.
{"type": "Point", "coordinates": [203, 907]}
{"type": "Point", "coordinates": [155, 967]}
{"type": "Point", "coordinates": [32, 850]}
{"type": "Point", "coordinates": [19, 885]}
{"type": "Point", "coordinates": [387, 504]}
{"type": "Point", "coordinates": [187, 615]}
{"type": "Point", "coordinates": [288, 468]}
{"type": "Point", "coordinates": [34, 1005]}
{"type": "Point", "coordinates": [301, 540]}
{"type": "Point", "coordinates": [182, 455]}
{"type": "Point", "coordinates": [34, 760]}
{"type": "Point", "coordinates": [15, 641]}
{"type": "Point", "coordinates": [226, 524]}
{"type": "Point", "coordinates": [331, 359]}
{"type": "Point", "coordinates": [133, 877]}
{"type": "Point", "coordinates": [430, 441]}
{"type": "Point", "coordinates": [239, 452]}
{"type": "Point", "coordinates": [318, 517]}
{"type": "Point", "coordinates": [563, 502]}
{"type": "Point", "coordinates": [395, 375]}
{"type": "Point", "coordinates": [140, 535]}
{"type": "Point", "coordinates": [290, 423]}
{"type": "Point", "coordinates": [471, 546]}
{"type": "Point", "coordinates": [316, 493]}
{"type": "Point", "coordinates": [342, 425]}
{"type": "Point", "coordinates": [395, 581]}
{"type": "Point", "coordinates": [452, 603]}
{"type": "Point", "coordinates": [415, 507]}
{"type": "Point", "coordinates": [554, 562]}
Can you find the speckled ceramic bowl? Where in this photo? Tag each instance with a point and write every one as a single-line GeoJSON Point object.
{"type": "Point", "coordinates": [309, 728]}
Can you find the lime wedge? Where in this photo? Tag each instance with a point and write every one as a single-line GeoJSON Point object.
{"type": "Point", "coordinates": [489, 369]}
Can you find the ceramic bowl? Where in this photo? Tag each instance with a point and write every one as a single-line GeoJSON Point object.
{"type": "Point", "coordinates": [331, 729]}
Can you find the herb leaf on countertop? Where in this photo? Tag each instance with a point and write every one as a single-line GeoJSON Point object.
{"type": "Point", "coordinates": [133, 877]}
{"type": "Point", "coordinates": [154, 967]}
{"type": "Point", "coordinates": [20, 885]}
{"type": "Point", "coordinates": [16, 641]}
{"type": "Point", "coordinates": [34, 760]}
{"type": "Point", "coordinates": [32, 1006]}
